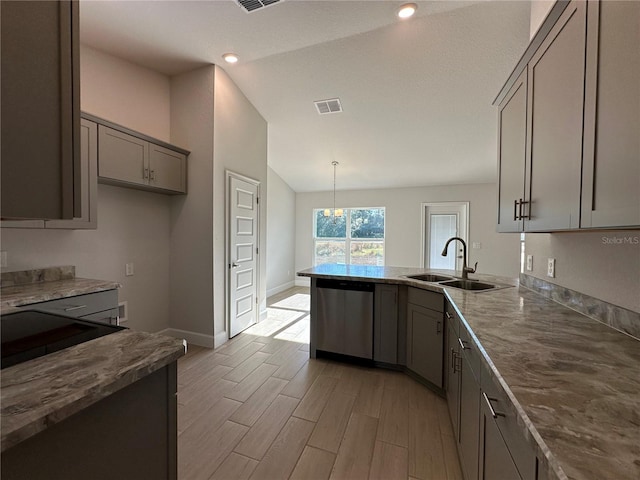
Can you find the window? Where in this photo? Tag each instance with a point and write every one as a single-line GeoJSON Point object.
{"type": "Point", "coordinates": [355, 238]}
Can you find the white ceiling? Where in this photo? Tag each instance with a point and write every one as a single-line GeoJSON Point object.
{"type": "Point", "coordinates": [416, 94]}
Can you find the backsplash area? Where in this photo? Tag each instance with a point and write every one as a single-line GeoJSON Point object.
{"type": "Point", "coordinates": [616, 317]}
{"type": "Point", "coordinates": [50, 274]}
{"type": "Point", "coordinates": [604, 265]}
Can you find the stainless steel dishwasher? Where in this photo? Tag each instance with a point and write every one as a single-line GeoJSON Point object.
{"type": "Point", "coordinates": [345, 317]}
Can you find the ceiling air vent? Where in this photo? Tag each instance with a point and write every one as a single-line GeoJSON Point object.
{"type": "Point", "coordinates": [331, 105]}
{"type": "Point", "coordinates": [251, 5]}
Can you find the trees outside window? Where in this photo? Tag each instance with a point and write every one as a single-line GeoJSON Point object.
{"type": "Point", "coordinates": [355, 238]}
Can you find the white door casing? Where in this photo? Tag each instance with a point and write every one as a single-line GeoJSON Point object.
{"type": "Point", "coordinates": [242, 252]}
{"type": "Point", "coordinates": [459, 212]}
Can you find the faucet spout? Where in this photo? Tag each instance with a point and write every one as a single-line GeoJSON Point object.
{"type": "Point", "coordinates": [465, 270]}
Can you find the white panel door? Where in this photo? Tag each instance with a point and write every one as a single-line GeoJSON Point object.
{"type": "Point", "coordinates": [441, 222]}
{"type": "Point", "coordinates": [243, 245]}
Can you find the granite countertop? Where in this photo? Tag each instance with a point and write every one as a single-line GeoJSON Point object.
{"type": "Point", "coordinates": [39, 393]}
{"type": "Point", "coordinates": [25, 294]}
{"type": "Point", "coordinates": [574, 381]}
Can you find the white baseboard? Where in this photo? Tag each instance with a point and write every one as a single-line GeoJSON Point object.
{"type": "Point", "coordinates": [194, 338]}
{"type": "Point", "coordinates": [220, 339]}
{"type": "Point", "coordinates": [303, 282]}
{"type": "Point", "coordinates": [280, 288]}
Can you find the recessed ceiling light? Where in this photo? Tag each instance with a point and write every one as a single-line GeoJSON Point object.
{"type": "Point", "coordinates": [407, 10]}
{"type": "Point", "coordinates": [230, 57]}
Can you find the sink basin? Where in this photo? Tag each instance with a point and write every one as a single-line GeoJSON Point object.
{"type": "Point", "coordinates": [468, 285]}
{"type": "Point", "coordinates": [429, 277]}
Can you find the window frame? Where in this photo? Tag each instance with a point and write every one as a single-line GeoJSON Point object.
{"type": "Point", "coordinates": [347, 238]}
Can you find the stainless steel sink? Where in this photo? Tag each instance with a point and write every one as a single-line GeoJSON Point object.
{"type": "Point", "coordinates": [429, 277]}
{"type": "Point", "coordinates": [469, 285]}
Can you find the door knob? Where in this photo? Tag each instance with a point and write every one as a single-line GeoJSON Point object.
{"type": "Point", "coordinates": [235, 265]}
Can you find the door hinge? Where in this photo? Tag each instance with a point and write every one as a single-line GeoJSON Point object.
{"type": "Point", "coordinates": [257, 199]}
{"type": "Point", "coordinates": [256, 250]}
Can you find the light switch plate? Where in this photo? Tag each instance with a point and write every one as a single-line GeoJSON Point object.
{"type": "Point", "coordinates": [128, 269]}
{"type": "Point", "coordinates": [477, 245]}
{"type": "Point", "coordinates": [551, 267]}
{"type": "Point", "coordinates": [529, 263]}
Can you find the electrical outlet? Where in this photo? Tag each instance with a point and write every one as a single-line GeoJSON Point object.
{"type": "Point", "coordinates": [529, 263]}
{"type": "Point", "coordinates": [3, 259]}
{"type": "Point", "coordinates": [128, 269]}
{"type": "Point", "coordinates": [551, 267]}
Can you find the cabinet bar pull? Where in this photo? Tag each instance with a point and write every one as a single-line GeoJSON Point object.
{"type": "Point", "coordinates": [75, 307]}
{"type": "Point", "coordinates": [446, 314]}
{"type": "Point", "coordinates": [152, 175]}
{"type": "Point", "coordinates": [521, 216]}
{"type": "Point", "coordinates": [494, 414]}
{"type": "Point", "coordinates": [145, 173]}
{"type": "Point", "coordinates": [515, 210]}
{"type": "Point", "coordinates": [438, 326]}
{"type": "Point", "coordinates": [462, 345]}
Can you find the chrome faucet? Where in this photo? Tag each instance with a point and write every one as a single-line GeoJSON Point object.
{"type": "Point", "coordinates": [465, 270]}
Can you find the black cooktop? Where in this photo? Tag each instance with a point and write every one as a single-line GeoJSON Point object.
{"type": "Point", "coordinates": [29, 334]}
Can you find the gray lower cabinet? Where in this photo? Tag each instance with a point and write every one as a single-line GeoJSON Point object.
{"type": "Point", "coordinates": [611, 161]}
{"type": "Point", "coordinates": [469, 427]}
{"type": "Point", "coordinates": [131, 434]}
{"type": "Point", "coordinates": [452, 372]}
{"type": "Point", "coordinates": [495, 460]}
{"type": "Point", "coordinates": [87, 217]}
{"type": "Point", "coordinates": [425, 335]}
{"type": "Point", "coordinates": [40, 89]}
{"type": "Point", "coordinates": [98, 306]}
{"type": "Point", "coordinates": [131, 161]}
{"type": "Point", "coordinates": [385, 319]}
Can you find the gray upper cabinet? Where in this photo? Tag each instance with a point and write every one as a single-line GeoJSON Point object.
{"type": "Point", "coordinates": [88, 218]}
{"type": "Point", "coordinates": [134, 161]}
{"type": "Point", "coordinates": [88, 187]}
{"type": "Point", "coordinates": [554, 119]}
{"type": "Point", "coordinates": [582, 156]}
{"type": "Point", "coordinates": [122, 157]}
{"type": "Point", "coordinates": [512, 128]}
{"type": "Point", "coordinates": [611, 165]}
{"type": "Point", "coordinates": [40, 110]}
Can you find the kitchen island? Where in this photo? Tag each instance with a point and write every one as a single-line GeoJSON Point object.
{"type": "Point", "coordinates": [573, 382]}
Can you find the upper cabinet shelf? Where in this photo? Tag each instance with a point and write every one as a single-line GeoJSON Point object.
{"type": "Point", "coordinates": [568, 123]}
{"type": "Point", "coordinates": [131, 159]}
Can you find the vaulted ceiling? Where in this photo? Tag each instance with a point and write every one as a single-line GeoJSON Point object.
{"type": "Point", "coordinates": [416, 94]}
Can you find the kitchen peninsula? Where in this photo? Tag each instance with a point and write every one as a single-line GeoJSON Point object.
{"type": "Point", "coordinates": [102, 409]}
{"type": "Point", "coordinates": [570, 383]}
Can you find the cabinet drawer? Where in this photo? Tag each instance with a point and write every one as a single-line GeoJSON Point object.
{"type": "Point", "coordinates": [426, 299]}
{"type": "Point", "coordinates": [80, 305]}
{"type": "Point", "coordinates": [521, 451]}
{"type": "Point", "coordinates": [452, 318]}
{"type": "Point", "coordinates": [469, 349]}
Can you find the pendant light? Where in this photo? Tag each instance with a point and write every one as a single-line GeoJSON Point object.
{"type": "Point", "coordinates": [336, 212]}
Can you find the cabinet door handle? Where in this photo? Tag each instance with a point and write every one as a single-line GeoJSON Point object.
{"type": "Point", "coordinates": [74, 307]}
{"type": "Point", "coordinates": [438, 327]}
{"type": "Point", "coordinates": [446, 314]}
{"type": "Point", "coordinates": [462, 344]}
{"type": "Point", "coordinates": [145, 173]}
{"type": "Point", "coordinates": [515, 210]}
{"type": "Point", "coordinates": [494, 414]}
{"type": "Point", "coordinates": [152, 174]}
{"type": "Point", "coordinates": [528, 215]}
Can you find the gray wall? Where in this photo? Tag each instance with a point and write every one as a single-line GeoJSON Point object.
{"type": "Point", "coordinates": [133, 226]}
{"type": "Point", "coordinates": [603, 264]}
{"type": "Point", "coordinates": [499, 253]}
{"type": "Point", "coordinates": [281, 234]}
{"type": "Point", "coordinates": [191, 256]}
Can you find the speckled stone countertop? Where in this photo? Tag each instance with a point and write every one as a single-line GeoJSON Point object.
{"type": "Point", "coordinates": [17, 295]}
{"type": "Point", "coordinates": [574, 382]}
{"type": "Point", "coordinates": [39, 393]}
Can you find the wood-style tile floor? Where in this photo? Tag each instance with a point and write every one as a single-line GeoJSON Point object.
{"type": "Point", "coordinates": [259, 408]}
